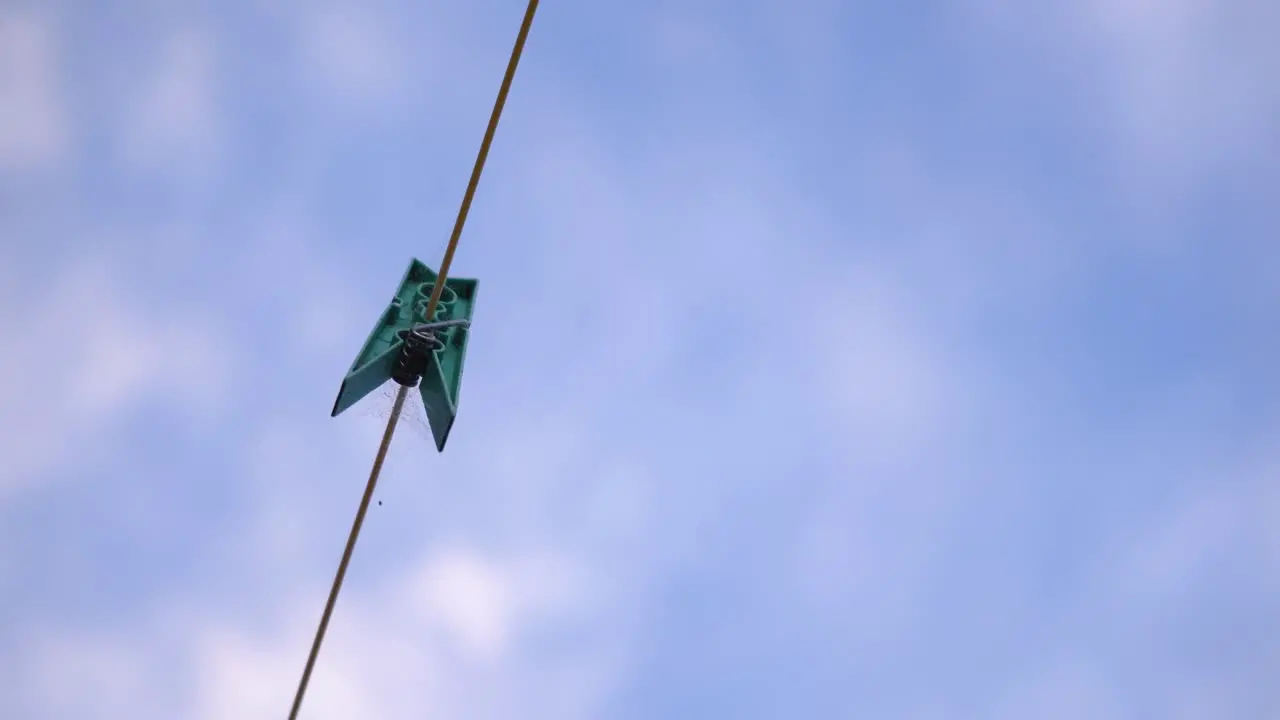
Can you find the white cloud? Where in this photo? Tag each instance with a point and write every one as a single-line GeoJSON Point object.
{"type": "Point", "coordinates": [468, 595]}
{"type": "Point", "coordinates": [482, 603]}
{"type": "Point", "coordinates": [449, 637]}
{"type": "Point", "coordinates": [1149, 628]}
{"type": "Point", "coordinates": [94, 356]}
{"type": "Point", "coordinates": [878, 372]}
{"type": "Point", "coordinates": [1188, 83]}
{"type": "Point", "coordinates": [1167, 559]}
{"type": "Point", "coordinates": [34, 128]}
{"type": "Point", "coordinates": [354, 50]}
{"type": "Point", "coordinates": [254, 675]}
{"type": "Point", "coordinates": [113, 677]}
{"type": "Point", "coordinates": [688, 40]}
{"type": "Point", "coordinates": [809, 39]}
{"type": "Point", "coordinates": [1179, 92]}
{"type": "Point", "coordinates": [1069, 688]}
{"type": "Point", "coordinates": [174, 119]}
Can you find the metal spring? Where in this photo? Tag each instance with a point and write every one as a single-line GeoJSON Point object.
{"type": "Point", "coordinates": [415, 355]}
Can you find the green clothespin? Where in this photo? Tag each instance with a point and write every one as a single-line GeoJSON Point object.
{"type": "Point", "coordinates": [408, 347]}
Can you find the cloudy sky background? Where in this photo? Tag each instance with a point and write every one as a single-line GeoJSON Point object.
{"type": "Point", "coordinates": [831, 359]}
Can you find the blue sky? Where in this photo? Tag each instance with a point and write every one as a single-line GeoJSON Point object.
{"type": "Point", "coordinates": [831, 360]}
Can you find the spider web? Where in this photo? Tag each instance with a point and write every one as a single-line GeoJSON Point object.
{"type": "Point", "coordinates": [412, 415]}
